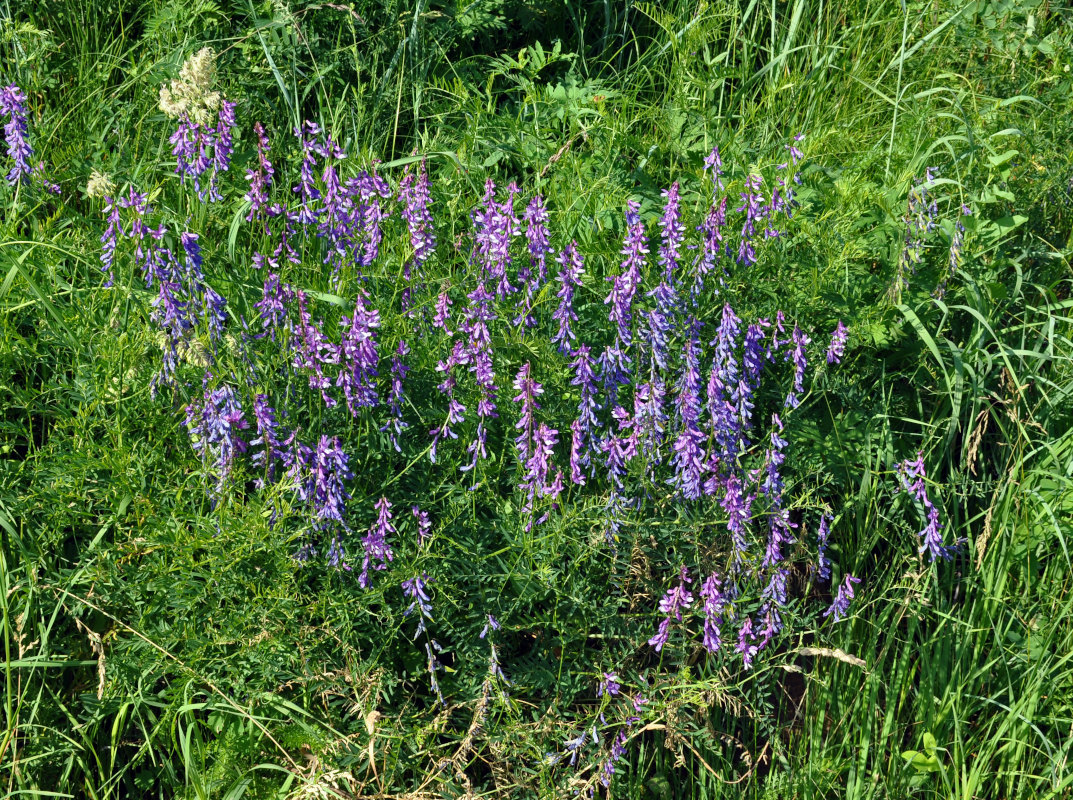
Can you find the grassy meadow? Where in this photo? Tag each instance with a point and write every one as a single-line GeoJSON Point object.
{"type": "Point", "coordinates": [450, 398]}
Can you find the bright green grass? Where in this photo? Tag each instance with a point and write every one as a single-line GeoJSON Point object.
{"type": "Point", "coordinates": [97, 491]}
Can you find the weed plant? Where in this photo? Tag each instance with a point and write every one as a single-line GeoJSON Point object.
{"type": "Point", "coordinates": [436, 400]}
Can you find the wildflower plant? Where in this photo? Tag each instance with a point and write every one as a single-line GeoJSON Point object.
{"type": "Point", "coordinates": [652, 419]}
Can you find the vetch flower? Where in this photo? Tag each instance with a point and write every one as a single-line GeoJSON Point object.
{"type": "Point", "coordinates": [443, 313]}
{"type": "Point", "coordinates": [16, 132]}
{"type": "Point", "coordinates": [259, 177]}
{"type": "Point", "coordinates": [712, 244]}
{"type": "Point", "coordinates": [738, 506]}
{"type": "Point", "coordinates": [528, 390]}
{"type": "Point", "coordinates": [625, 284]}
{"type": "Point", "coordinates": [313, 351]}
{"type": "Point", "coordinates": [329, 467]}
{"type": "Point", "coordinates": [688, 458]}
{"type": "Point", "coordinates": [359, 356]}
{"type": "Point", "coordinates": [416, 196]}
{"type": "Point", "coordinates": [745, 637]}
{"type": "Point", "coordinates": [570, 281]}
{"type": "Point", "coordinates": [416, 589]}
{"type": "Point", "coordinates": [223, 145]}
{"type": "Point", "coordinates": [271, 307]}
{"type": "Point", "coordinates": [455, 409]}
{"type": "Point", "coordinates": [424, 525]}
{"type": "Point", "coordinates": [214, 425]}
{"type": "Point", "coordinates": [670, 250]}
{"type": "Point", "coordinates": [711, 593]}
{"type": "Point", "coordinates": [577, 452]}
{"type": "Point", "coordinates": [110, 239]}
{"type": "Point", "coordinates": [585, 379]}
{"type": "Point", "coordinates": [800, 341]}
{"type": "Point", "coordinates": [752, 205]}
{"type": "Point", "coordinates": [674, 601]}
{"type": "Point", "coordinates": [377, 548]}
{"type": "Point", "coordinates": [474, 325]}
{"type": "Point", "coordinates": [367, 216]}
{"type": "Point", "coordinates": [270, 448]}
{"type": "Point", "coordinates": [533, 275]}
{"type": "Point", "coordinates": [395, 426]}
{"type": "Point", "coordinates": [823, 563]}
{"type": "Point", "coordinates": [618, 750]}
{"type": "Point", "coordinates": [837, 348]}
{"type": "Point", "coordinates": [609, 685]}
{"type": "Point", "coordinates": [912, 476]}
{"type": "Point", "coordinates": [840, 607]}
{"type": "Point", "coordinates": [433, 666]}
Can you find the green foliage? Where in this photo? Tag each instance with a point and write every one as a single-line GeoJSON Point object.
{"type": "Point", "coordinates": [156, 647]}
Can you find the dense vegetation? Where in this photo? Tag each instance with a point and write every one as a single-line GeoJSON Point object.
{"type": "Point", "coordinates": [499, 398]}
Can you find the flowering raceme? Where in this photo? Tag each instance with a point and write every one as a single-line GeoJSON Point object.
{"type": "Point", "coordinates": [570, 281]}
{"type": "Point", "coordinates": [912, 475]}
{"type": "Point", "coordinates": [16, 131]}
{"type": "Point", "coordinates": [377, 547]}
{"type": "Point", "coordinates": [359, 357]}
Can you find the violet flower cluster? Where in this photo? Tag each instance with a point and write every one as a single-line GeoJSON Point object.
{"type": "Point", "coordinates": [377, 547]}
{"type": "Point", "coordinates": [16, 133]}
{"type": "Point", "coordinates": [912, 476]}
{"type": "Point", "coordinates": [569, 282]}
{"type": "Point", "coordinates": [656, 384]}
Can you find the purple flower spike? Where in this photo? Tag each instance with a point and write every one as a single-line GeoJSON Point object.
{"type": "Point", "coordinates": [271, 308]}
{"type": "Point", "coordinates": [416, 197]}
{"type": "Point", "coordinates": [670, 251]}
{"type": "Point", "coordinates": [840, 607]}
{"type": "Point", "coordinates": [13, 106]}
{"type": "Point", "coordinates": [224, 146]}
{"type": "Point", "coordinates": [424, 525]}
{"type": "Point", "coordinates": [442, 317]}
{"type": "Point", "coordinates": [260, 177]}
{"type": "Point", "coordinates": [110, 239]}
{"type": "Point", "coordinates": [494, 227]}
{"type": "Point", "coordinates": [737, 507]}
{"type": "Point", "coordinates": [624, 285]}
{"type": "Point", "coordinates": [330, 468]}
{"type": "Point", "coordinates": [609, 685]}
{"type": "Point", "coordinates": [714, 603]}
{"type": "Point", "coordinates": [837, 347]}
{"type": "Point", "coordinates": [714, 163]}
{"type": "Point", "coordinates": [528, 390]}
{"type": "Point", "coordinates": [214, 426]}
{"type": "Point", "coordinates": [752, 205]}
{"type": "Point", "coordinates": [533, 275]}
{"type": "Point", "coordinates": [823, 563]}
{"type": "Point", "coordinates": [577, 453]}
{"type": "Point", "coordinates": [712, 232]}
{"type": "Point", "coordinates": [395, 426]}
{"type": "Point", "coordinates": [455, 409]}
{"type": "Point", "coordinates": [271, 449]}
{"type": "Point", "coordinates": [688, 458]}
{"type": "Point", "coordinates": [570, 280]}
{"type": "Point", "coordinates": [671, 606]}
{"type": "Point", "coordinates": [745, 636]}
{"type": "Point", "coordinates": [416, 589]}
{"type": "Point", "coordinates": [377, 547]}
{"type": "Point", "coordinates": [800, 341]}
{"type": "Point", "coordinates": [475, 321]}
{"type": "Point", "coordinates": [313, 351]}
{"type": "Point", "coordinates": [359, 356]}
{"type": "Point", "coordinates": [912, 476]}
{"type": "Point", "coordinates": [618, 750]}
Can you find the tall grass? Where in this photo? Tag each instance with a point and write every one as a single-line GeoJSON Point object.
{"type": "Point", "coordinates": [145, 654]}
